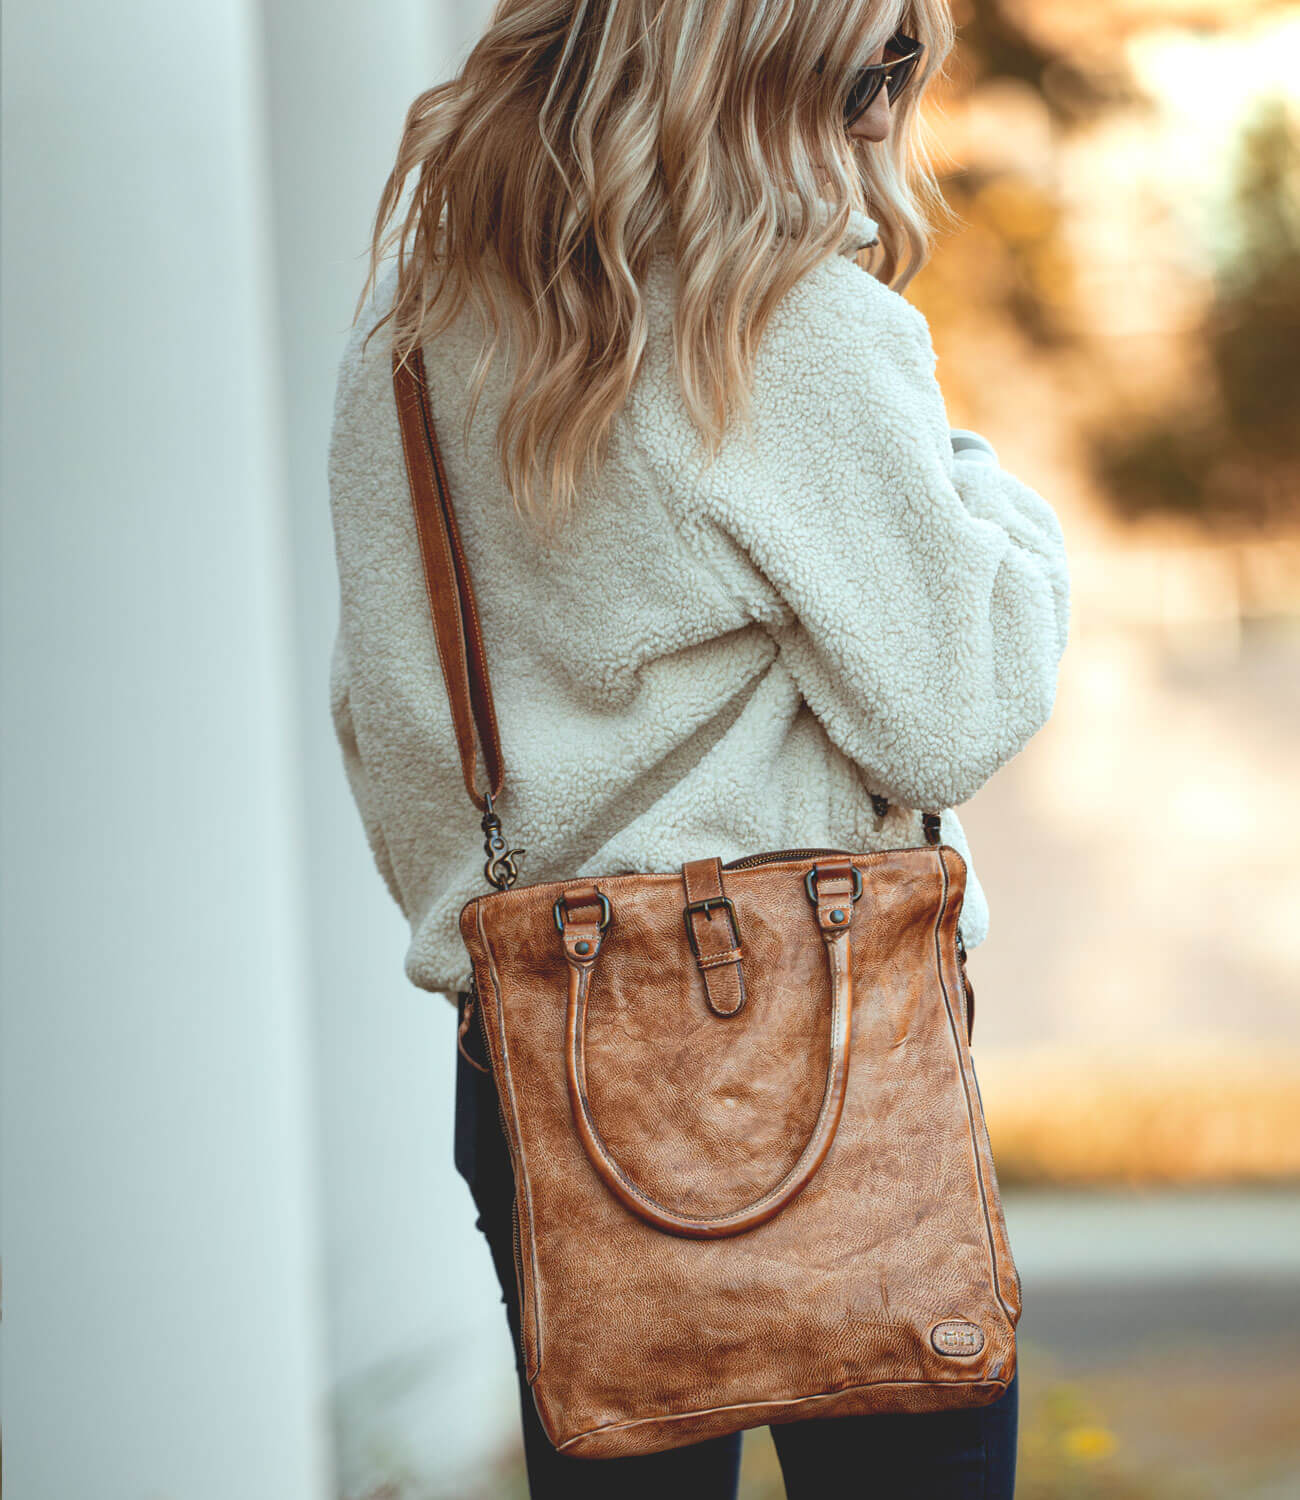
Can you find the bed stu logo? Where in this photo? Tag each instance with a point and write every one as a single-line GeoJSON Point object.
{"type": "Point", "coordinates": [956, 1336]}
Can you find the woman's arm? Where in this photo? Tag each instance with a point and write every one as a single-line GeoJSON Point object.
{"type": "Point", "coordinates": [358, 778]}
{"type": "Point", "coordinates": [920, 597]}
{"type": "Point", "coordinates": [357, 428]}
{"type": "Point", "coordinates": [971, 445]}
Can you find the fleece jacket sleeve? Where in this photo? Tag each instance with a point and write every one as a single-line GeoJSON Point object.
{"type": "Point", "coordinates": [972, 446]}
{"type": "Point", "coordinates": [921, 598]}
{"type": "Point", "coordinates": [358, 777]}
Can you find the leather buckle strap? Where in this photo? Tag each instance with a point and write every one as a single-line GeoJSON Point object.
{"type": "Point", "coordinates": [715, 944]}
{"type": "Point", "coordinates": [707, 906]}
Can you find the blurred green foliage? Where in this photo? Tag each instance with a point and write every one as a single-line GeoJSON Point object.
{"type": "Point", "coordinates": [1230, 455]}
{"type": "Point", "coordinates": [1011, 251]}
{"type": "Point", "coordinates": [1221, 449]}
{"type": "Point", "coordinates": [1254, 332]}
{"type": "Point", "coordinates": [995, 44]}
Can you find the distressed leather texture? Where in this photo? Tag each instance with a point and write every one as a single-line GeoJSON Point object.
{"type": "Point", "coordinates": [885, 1284]}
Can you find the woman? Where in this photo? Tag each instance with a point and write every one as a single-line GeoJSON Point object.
{"type": "Point", "coordinates": [741, 586]}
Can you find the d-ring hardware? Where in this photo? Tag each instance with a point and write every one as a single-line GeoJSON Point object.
{"type": "Point", "coordinates": [812, 875]}
{"type": "Point", "coordinates": [604, 912]}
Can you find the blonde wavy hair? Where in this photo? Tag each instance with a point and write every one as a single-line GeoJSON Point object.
{"type": "Point", "coordinates": [575, 132]}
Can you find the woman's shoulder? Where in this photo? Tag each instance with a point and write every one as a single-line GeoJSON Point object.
{"type": "Point", "coordinates": [364, 362]}
{"type": "Point", "coordinates": [843, 376]}
{"type": "Point", "coordinates": [839, 324]}
{"type": "Point", "coordinates": [845, 369]}
{"type": "Point", "coordinates": [365, 467]}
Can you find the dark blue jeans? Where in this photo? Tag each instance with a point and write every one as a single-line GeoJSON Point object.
{"type": "Point", "coordinates": [942, 1455]}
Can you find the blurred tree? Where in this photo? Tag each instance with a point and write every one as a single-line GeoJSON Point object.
{"type": "Point", "coordinates": [1017, 260]}
{"type": "Point", "coordinates": [996, 43]}
{"type": "Point", "coordinates": [1254, 330]}
{"type": "Point", "coordinates": [1222, 452]}
{"type": "Point", "coordinates": [1233, 460]}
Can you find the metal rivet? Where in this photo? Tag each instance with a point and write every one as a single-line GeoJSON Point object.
{"type": "Point", "coordinates": [837, 915]}
{"type": "Point", "coordinates": [583, 947]}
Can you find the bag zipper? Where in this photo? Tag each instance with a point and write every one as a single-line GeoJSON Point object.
{"type": "Point", "coordinates": [750, 860]}
{"type": "Point", "coordinates": [773, 855]}
{"type": "Point", "coordinates": [473, 1003]}
{"type": "Point", "coordinates": [968, 993]}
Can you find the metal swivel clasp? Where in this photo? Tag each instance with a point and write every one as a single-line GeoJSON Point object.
{"type": "Point", "coordinates": [502, 867]}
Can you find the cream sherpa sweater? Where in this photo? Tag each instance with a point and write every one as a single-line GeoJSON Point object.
{"type": "Point", "coordinates": [709, 662]}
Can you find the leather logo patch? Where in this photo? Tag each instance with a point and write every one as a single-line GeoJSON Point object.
{"type": "Point", "coordinates": [956, 1336]}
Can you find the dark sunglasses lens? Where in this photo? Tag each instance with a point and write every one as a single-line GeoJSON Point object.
{"type": "Point", "coordinates": [900, 75]}
{"type": "Point", "coordinates": [902, 45]}
{"type": "Point", "coordinates": [865, 88]}
{"type": "Point", "coordinates": [902, 58]}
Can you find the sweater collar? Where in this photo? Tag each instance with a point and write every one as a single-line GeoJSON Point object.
{"type": "Point", "coordinates": [859, 232]}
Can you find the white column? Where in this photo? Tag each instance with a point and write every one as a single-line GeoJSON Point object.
{"type": "Point", "coordinates": [160, 1293]}
{"type": "Point", "coordinates": [419, 1349]}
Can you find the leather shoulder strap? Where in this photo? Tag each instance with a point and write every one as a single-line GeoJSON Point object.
{"type": "Point", "coordinates": [447, 582]}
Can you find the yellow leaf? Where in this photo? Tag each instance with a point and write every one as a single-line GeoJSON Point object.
{"type": "Point", "coordinates": [1089, 1443]}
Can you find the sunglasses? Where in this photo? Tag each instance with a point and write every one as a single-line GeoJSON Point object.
{"type": "Point", "coordinates": [902, 57]}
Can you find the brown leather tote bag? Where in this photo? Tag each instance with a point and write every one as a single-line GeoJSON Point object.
{"type": "Point", "coordinates": [753, 1182]}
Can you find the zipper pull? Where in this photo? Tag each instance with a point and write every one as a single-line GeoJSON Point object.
{"type": "Point", "coordinates": [467, 1015]}
{"type": "Point", "coordinates": [968, 986]}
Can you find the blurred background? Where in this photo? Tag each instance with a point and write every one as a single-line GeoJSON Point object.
{"type": "Point", "coordinates": [237, 1258]}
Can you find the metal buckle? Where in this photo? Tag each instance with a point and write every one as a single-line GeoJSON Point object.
{"type": "Point", "coordinates": [604, 912]}
{"type": "Point", "coordinates": [812, 891]}
{"type": "Point", "coordinates": [706, 907]}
